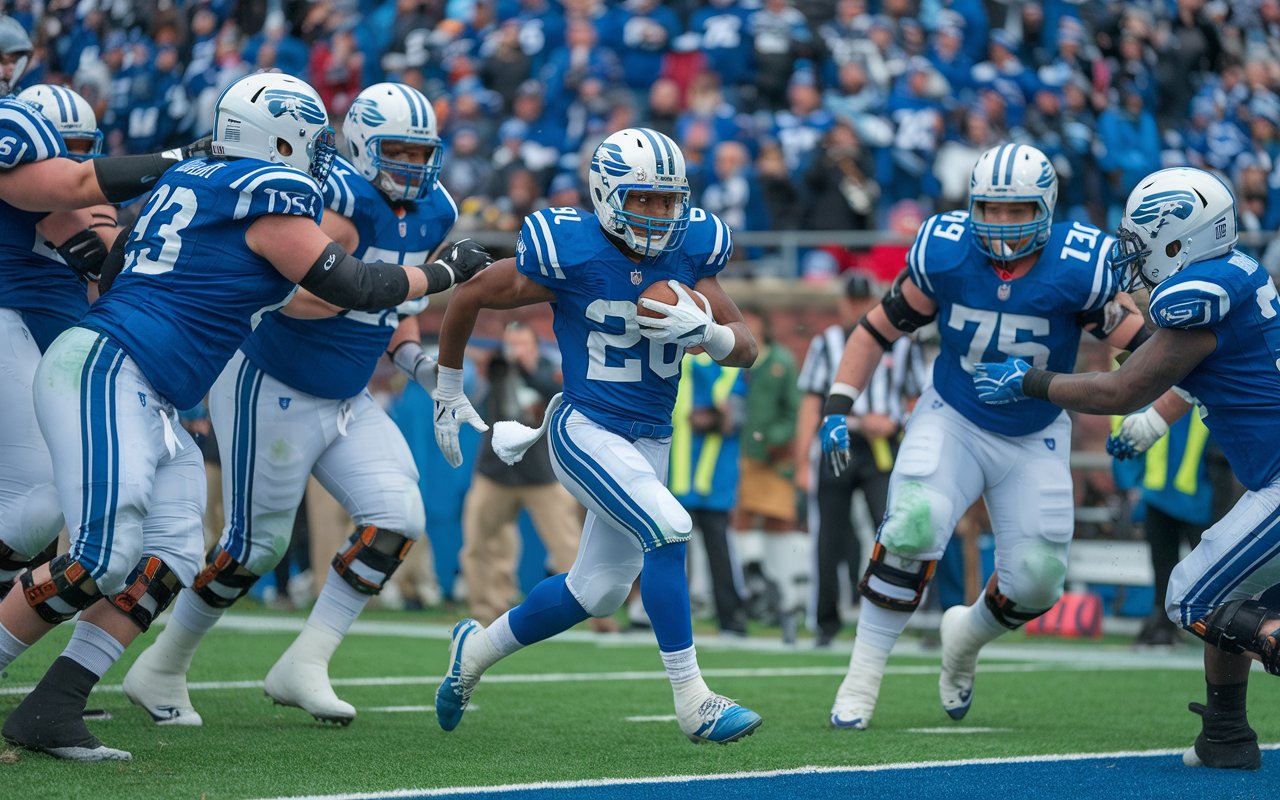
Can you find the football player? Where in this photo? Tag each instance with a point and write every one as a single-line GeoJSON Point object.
{"type": "Point", "coordinates": [611, 435]}
{"type": "Point", "coordinates": [44, 289]}
{"type": "Point", "coordinates": [293, 402]}
{"type": "Point", "coordinates": [219, 243]}
{"type": "Point", "coordinates": [1217, 338]}
{"type": "Point", "coordinates": [1000, 279]}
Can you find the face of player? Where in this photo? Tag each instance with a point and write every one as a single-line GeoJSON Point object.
{"type": "Point", "coordinates": [659, 205]}
{"type": "Point", "coordinates": [79, 147]}
{"type": "Point", "coordinates": [9, 64]}
{"type": "Point", "coordinates": [409, 157]}
{"type": "Point", "coordinates": [1022, 213]}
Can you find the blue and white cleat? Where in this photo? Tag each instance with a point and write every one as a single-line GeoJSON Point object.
{"type": "Point", "coordinates": [856, 698]}
{"type": "Point", "coordinates": [455, 690]}
{"type": "Point", "coordinates": [717, 719]}
{"type": "Point", "coordinates": [959, 664]}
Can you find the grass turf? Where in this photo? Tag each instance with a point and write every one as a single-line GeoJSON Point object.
{"type": "Point", "coordinates": [565, 730]}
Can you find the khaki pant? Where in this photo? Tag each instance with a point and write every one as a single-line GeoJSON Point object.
{"type": "Point", "coordinates": [491, 543]}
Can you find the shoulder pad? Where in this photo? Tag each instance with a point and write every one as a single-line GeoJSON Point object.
{"type": "Point", "coordinates": [708, 242]}
{"type": "Point", "coordinates": [273, 189]}
{"type": "Point", "coordinates": [1190, 303]}
{"type": "Point", "coordinates": [340, 188]}
{"type": "Point", "coordinates": [546, 250]}
{"type": "Point", "coordinates": [938, 247]}
{"type": "Point", "coordinates": [26, 136]}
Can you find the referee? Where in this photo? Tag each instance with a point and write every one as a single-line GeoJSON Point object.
{"type": "Point", "coordinates": [873, 438]}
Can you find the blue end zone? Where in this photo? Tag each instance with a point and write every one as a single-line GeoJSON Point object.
{"type": "Point", "coordinates": [1122, 777]}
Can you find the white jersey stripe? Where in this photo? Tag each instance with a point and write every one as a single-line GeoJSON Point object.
{"type": "Point", "coordinates": [1197, 287]}
{"type": "Point", "coordinates": [552, 259]}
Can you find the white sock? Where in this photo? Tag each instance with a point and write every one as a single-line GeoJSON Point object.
{"type": "Point", "coordinates": [93, 648]}
{"type": "Point", "coordinates": [490, 645]}
{"type": "Point", "coordinates": [880, 627]}
{"type": "Point", "coordinates": [10, 647]}
{"type": "Point", "coordinates": [193, 613]}
{"type": "Point", "coordinates": [337, 606]}
{"type": "Point", "coordinates": [981, 626]}
{"type": "Point", "coordinates": [686, 679]}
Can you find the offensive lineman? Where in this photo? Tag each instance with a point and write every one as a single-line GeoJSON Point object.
{"type": "Point", "coordinates": [611, 435]}
{"type": "Point", "coordinates": [1218, 338]}
{"type": "Point", "coordinates": [1000, 279]}
{"type": "Point", "coordinates": [293, 401]}
{"type": "Point", "coordinates": [219, 242]}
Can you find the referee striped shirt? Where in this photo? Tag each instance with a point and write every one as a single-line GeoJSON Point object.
{"type": "Point", "coordinates": [901, 373]}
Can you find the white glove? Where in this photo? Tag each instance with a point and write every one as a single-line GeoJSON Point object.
{"type": "Point", "coordinates": [688, 323]}
{"type": "Point", "coordinates": [452, 409]}
{"type": "Point", "coordinates": [1141, 430]}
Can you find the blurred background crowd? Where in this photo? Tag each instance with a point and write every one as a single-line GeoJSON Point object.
{"type": "Point", "coordinates": [813, 115]}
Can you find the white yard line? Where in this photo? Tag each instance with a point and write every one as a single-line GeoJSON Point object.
{"type": "Point", "coordinates": [602, 782]}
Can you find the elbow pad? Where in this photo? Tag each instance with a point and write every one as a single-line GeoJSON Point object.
{"type": "Point", "coordinates": [900, 313]}
{"type": "Point", "coordinates": [338, 277]}
{"type": "Point", "coordinates": [84, 252]}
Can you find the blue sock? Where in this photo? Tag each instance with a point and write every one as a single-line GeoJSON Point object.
{"type": "Point", "coordinates": [664, 588]}
{"type": "Point", "coordinates": [549, 609]}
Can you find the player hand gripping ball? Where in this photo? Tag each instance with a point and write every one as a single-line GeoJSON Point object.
{"type": "Point", "coordinates": [688, 323]}
{"type": "Point", "coordinates": [1000, 382]}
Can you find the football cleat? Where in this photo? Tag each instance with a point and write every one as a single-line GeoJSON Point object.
{"type": "Point", "coordinates": [856, 699]}
{"type": "Point", "coordinates": [456, 688]}
{"type": "Point", "coordinates": [59, 735]}
{"type": "Point", "coordinates": [955, 681]}
{"type": "Point", "coordinates": [301, 682]}
{"type": "Point", "coordinates": [160, 693]}
{"type": "Point", "coordinates": [717, 719]}
{"type": "Point", "coordinates": [1236, 750]}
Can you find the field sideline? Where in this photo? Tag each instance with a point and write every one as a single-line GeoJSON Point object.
{"type": "Point", "coordinates": [591, 716]}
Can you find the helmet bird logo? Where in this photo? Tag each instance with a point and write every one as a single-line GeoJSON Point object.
{"type": "Point", "coordinates": [297, 105]}
{"type": "Point", "coordinates": [1154, 211]}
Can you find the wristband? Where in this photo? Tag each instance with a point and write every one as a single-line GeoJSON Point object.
{"type": "Point", "coordinates": [840, 399]}
{"type": "Point", "coordinates": [720, 341]}
{"type": "Point", "coordinates": [1036, 383]}
{"type": "Point", "coordinates": [448, 380]}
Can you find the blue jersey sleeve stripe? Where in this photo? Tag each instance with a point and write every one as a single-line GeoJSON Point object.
{"type": "Point", "coordinates": [1103, 285]}
{"type": "Point", "coordinates": [553, 259]}
{"type": "Point", "coordinates": [1194, 290]}
{"type": "Point", "coordinates": [535, 246]}
{"type": "Point", "coordinates": [39, 134]}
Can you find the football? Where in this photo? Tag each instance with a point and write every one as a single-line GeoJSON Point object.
{"type": "Point", "coordinates": [661, 292]}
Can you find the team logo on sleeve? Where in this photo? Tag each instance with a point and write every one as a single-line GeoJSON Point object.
{"type": "Point", "coordinates": [1154, 211]}
{"type": "Point", "coordinates": [296, 104]}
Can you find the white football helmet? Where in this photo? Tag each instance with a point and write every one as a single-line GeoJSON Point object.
{"type": "Point", "coordinates": [394, 112]}
{"type": "Point", "coordinates": [639, 159]}
{"type": "Point", "coordinates": [1174, 217]}
{"type": "Point", "coordinates": [1012, 173]}
{"type": "Point", "coordinates": [16, 44]}
{"type": "Point", "coordinates": [259, 113]}
{"type": "Point", "coordinates": [71, 115]}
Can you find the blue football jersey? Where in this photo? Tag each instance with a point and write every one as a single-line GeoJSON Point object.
{"type": "Point", "coordinates": [982, 317]}
{"type": "Point", "coordinates": [191, 286]}
{"type": "Point", "coordinates": [34, 280]}
{"type": "Point", "coordinates": [349, 344]}
{"type": "Point", "coordinates": [1239, 383]}
{"type": "Point", "coordinates": [612, 373]}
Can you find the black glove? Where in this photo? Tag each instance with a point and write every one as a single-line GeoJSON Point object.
{"type": "Point", "coordinates": [465, 259]}
{"type": "Point", "coordinates": [84, 253]}
{"type": "Point", "coordinates": [200, 148]}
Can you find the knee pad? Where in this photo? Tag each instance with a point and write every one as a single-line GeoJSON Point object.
{"type": "Point", "coordinates": [1007, 612]}
{"type": "Point", "coordinates": [1041, 575]}
{"type": "Point", "coordinates": [13, 563]}
{"type": "Point", "coordinates": [894, 582]}
{"type": "Point", "coordinates": [1235, 627]}
{"type": "Point", "coordinates": [372, 556]}
{"type": "Point", "coordinates": [223, 581]}
{"type": "Point", "coordinates": [150, 589]}
{"type": "Point", "coordinates": [69, 590]}
{"type": "Point", "coordinates": [673, 518]}
{"type": "Point", "coordinates": [603, 592]}
{"type": "Point", "coordinates": [918, 512]}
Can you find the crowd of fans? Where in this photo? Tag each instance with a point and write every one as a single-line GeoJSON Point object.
{"type": "Point", "coordinates": [816, 114]}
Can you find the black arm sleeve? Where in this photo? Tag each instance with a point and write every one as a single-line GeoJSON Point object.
{"type": "Point", "coordinates": [123, 178]}
{"type": "Point", "coordinates": [113, 264]}
{"type": "Point", "coordinates": [338, 277]}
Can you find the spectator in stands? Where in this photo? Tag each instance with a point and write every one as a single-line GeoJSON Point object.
{"type": "Point", "coordinates": [853, 96]}
{"type": "Point", "coordinates": [506, 65]}
{"type": "Point", "coordinates": [707, 106]}
{"type": "Point", "coordinates": [1003, 73]}
{"type": "Point", "coordinates": [1188, 45]}
{"type": "Point", "coordinates": [521, 382]}
{"type": "Point", "coordinates": [802, 125]}
{"type": "Point", "coordinates": [721, 26]}
{"type": "Point", "coordinates": [731, 191]}
{"type": "Point", "coordinates": [465, 172]}
{"type": "Point", "coordinates": [704, 472]}
{"type": "Point", "coordinates": [839, 184]}
{"type": "Point", "coordinates": [663, 107]}
{"type": "Point", "coordinates": [946, 54]}
{"type": "Point", "coordinates": [582, 57]}
{"type": "Point", "coordinates": [640, 33]}
{"type": "Point", "coordinates": [779, 35]}
{"type": "Point", "coordinates": [542, 31]}
{"type": "Point", "coordinates": [781, 198]}
{"type": "Point", "coordinates": [954, 165]}
{"type": "Point", "coordinates": [917, 117]}
{"type": "Point", "coordinates": [843, 38]}
{"type": "Point", "coordinates": [1129, 145]}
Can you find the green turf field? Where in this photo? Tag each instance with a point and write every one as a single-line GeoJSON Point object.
{"type": "Point", "coordinates": [566, 710]}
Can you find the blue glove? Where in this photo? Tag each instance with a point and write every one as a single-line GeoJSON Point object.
{"type": "Point", "coordinates": [1000, 382]}
{"type": "Point", "coordinates": [835, 441]}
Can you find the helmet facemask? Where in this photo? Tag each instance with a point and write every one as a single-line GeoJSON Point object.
{"type": "Point", "coordinates": [1128, 256]}
{"type": "Point", "coordinates": [401, 180]}
{"type": "Point", "coordinates": [1007, 241]}
{"type": "Point", "coordinates": [646, 234]}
